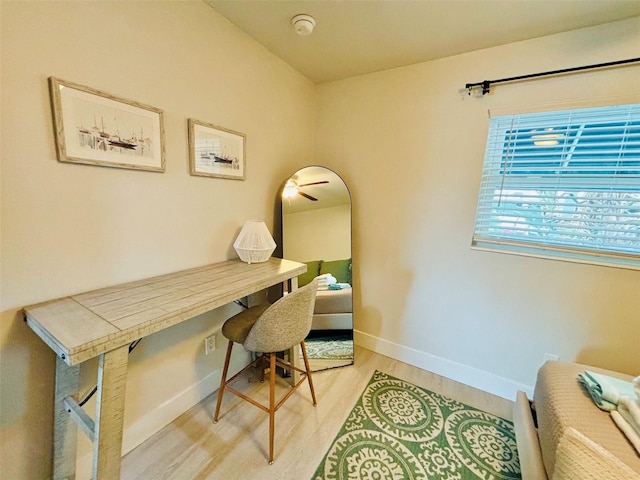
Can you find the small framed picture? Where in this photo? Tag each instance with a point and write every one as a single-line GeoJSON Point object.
{"type": "Point", "coordinates": [215, 151]}
{"type": "Point", "coordinates": [97, 128]}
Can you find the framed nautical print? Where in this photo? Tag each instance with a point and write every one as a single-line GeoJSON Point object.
{"type": "Point", "coordinates": [215, 151]}
{"type": "Point", "coordinates": [97, 128]}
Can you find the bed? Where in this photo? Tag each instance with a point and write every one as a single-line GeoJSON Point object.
{"type": "Point", "coordinates": [568, 437]}
{"type": "Point", "coordinates": [333, 310]}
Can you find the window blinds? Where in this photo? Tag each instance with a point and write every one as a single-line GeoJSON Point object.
{"type": "Point", "coordinates": [564, 181]}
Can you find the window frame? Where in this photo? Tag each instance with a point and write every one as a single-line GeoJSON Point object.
{"type": "Point", "coordinates": [553, 168]}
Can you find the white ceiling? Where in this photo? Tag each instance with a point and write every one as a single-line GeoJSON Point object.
{"type": "Point", "coordinates": [357, 37]}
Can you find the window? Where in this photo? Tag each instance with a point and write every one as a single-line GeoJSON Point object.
{"type": "Point", "coordinates": [563, 184]}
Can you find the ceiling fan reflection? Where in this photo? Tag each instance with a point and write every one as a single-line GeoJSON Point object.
{"type": "Point", "coordinates": [292, 188]}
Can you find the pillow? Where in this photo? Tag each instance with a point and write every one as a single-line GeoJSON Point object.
{"type": "Point", "coordinates": [341, 269]}
{"type": "Point", "coordinates": [313, 270]}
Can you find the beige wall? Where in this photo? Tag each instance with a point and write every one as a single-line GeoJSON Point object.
{"type": "Point", "coordinates": [318, 234]}
{"type": "Point", "coordinates": [69, 228]}
{"type": "Point", "coordinates": [410, 143]}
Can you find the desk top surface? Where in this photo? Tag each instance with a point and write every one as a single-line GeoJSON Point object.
{"type": "Point", "coordinates": [83, 326]}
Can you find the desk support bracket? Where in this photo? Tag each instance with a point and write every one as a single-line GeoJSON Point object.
{"type": "Point", "coordinates": [84, 421]}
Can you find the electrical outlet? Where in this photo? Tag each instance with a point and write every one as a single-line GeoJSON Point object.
{"type": "Point", "coordinates": [209, 344]}
{"type": "Point", "coordinates": [550, 357]}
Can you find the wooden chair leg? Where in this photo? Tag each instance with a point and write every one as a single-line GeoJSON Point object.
{"type": "Point", "coordinates": [223, 381]}
{"type": "Point", "coordinates": [272, 403]}
{"type": "Point", "coordinates": [306, 366]}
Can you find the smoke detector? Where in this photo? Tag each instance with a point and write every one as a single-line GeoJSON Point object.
{"type": "Point", "coordinates": [303, 24]}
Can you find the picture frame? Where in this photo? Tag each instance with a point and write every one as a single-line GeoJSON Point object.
{"type": "Point", "coordinates": [96, 128]}
{"type": "Point", "coordinates": [215, 151]}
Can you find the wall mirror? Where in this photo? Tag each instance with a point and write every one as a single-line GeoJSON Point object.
{"type": "Point", "coordinates": [316, 230]}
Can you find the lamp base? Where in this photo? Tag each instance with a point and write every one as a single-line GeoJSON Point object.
{"type": "Point", "coordinates": [254, 256]}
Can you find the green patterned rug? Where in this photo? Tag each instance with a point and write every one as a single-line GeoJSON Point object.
{"type": "Point", "coordinates": [330, 348]}
{"type": "Point", "coordinates": [403, 432]}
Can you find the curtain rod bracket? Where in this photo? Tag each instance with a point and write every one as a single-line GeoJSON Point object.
{"type": "Point", "coordinates": [486, 87]}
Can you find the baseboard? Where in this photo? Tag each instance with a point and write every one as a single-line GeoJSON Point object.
{"type": "Point", "coordinates": [458, 372]}
{"type": "Point", "coordinates": [156, 419]}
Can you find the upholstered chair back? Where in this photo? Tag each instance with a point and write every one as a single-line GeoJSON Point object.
{"type": "Point", "coordinates": [285, 323]}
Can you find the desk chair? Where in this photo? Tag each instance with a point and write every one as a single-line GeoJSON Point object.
{"type": "Point", "coordinates": [270, 329]}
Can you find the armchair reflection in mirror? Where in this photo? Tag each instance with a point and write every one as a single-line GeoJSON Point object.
{"type": "Point", "coordinates": [316, 230]}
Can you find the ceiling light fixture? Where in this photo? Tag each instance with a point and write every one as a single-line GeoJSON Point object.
{"type": "Point", "coordinates": [546, 139]}
{"type": "Point", "coordinates": [303, 24]}
{"type": "Point", "coordinates": [290, 189]}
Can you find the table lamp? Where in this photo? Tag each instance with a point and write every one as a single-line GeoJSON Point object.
{"type": "Point", "coordinates": [254, 243]}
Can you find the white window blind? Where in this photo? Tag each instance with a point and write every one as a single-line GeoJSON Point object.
{"type": "Point", "coordinates": [563, 184]}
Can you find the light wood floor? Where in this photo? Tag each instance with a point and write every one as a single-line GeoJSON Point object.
{"type": "Point", "coordinates": [193, 447]}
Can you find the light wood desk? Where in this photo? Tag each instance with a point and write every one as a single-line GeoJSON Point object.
{"type": "Point", "coordinates": [103, 323]}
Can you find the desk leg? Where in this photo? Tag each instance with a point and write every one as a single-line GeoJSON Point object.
{"type": "Point", "coordinates": [294, 357]}
{"type": "Point", "coordinates": [65, 431]}
{"type": "Point", "coordinates": [107, 441]}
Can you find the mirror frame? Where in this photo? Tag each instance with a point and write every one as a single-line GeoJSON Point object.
{"type": "Point", "coordinates": [279, 215]}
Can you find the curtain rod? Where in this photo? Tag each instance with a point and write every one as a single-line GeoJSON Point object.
{"type": "Point", "coordinates": [486, 85]}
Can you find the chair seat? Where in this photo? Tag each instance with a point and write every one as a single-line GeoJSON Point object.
{"type": "Point", "coordinates": [237, 328]}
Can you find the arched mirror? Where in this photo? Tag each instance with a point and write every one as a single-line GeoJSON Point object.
{"type": "Point", "coordinates": [316, 230]}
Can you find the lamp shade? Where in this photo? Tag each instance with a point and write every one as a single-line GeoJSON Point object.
{"type": "Point", "coordinates": [254, 243]}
